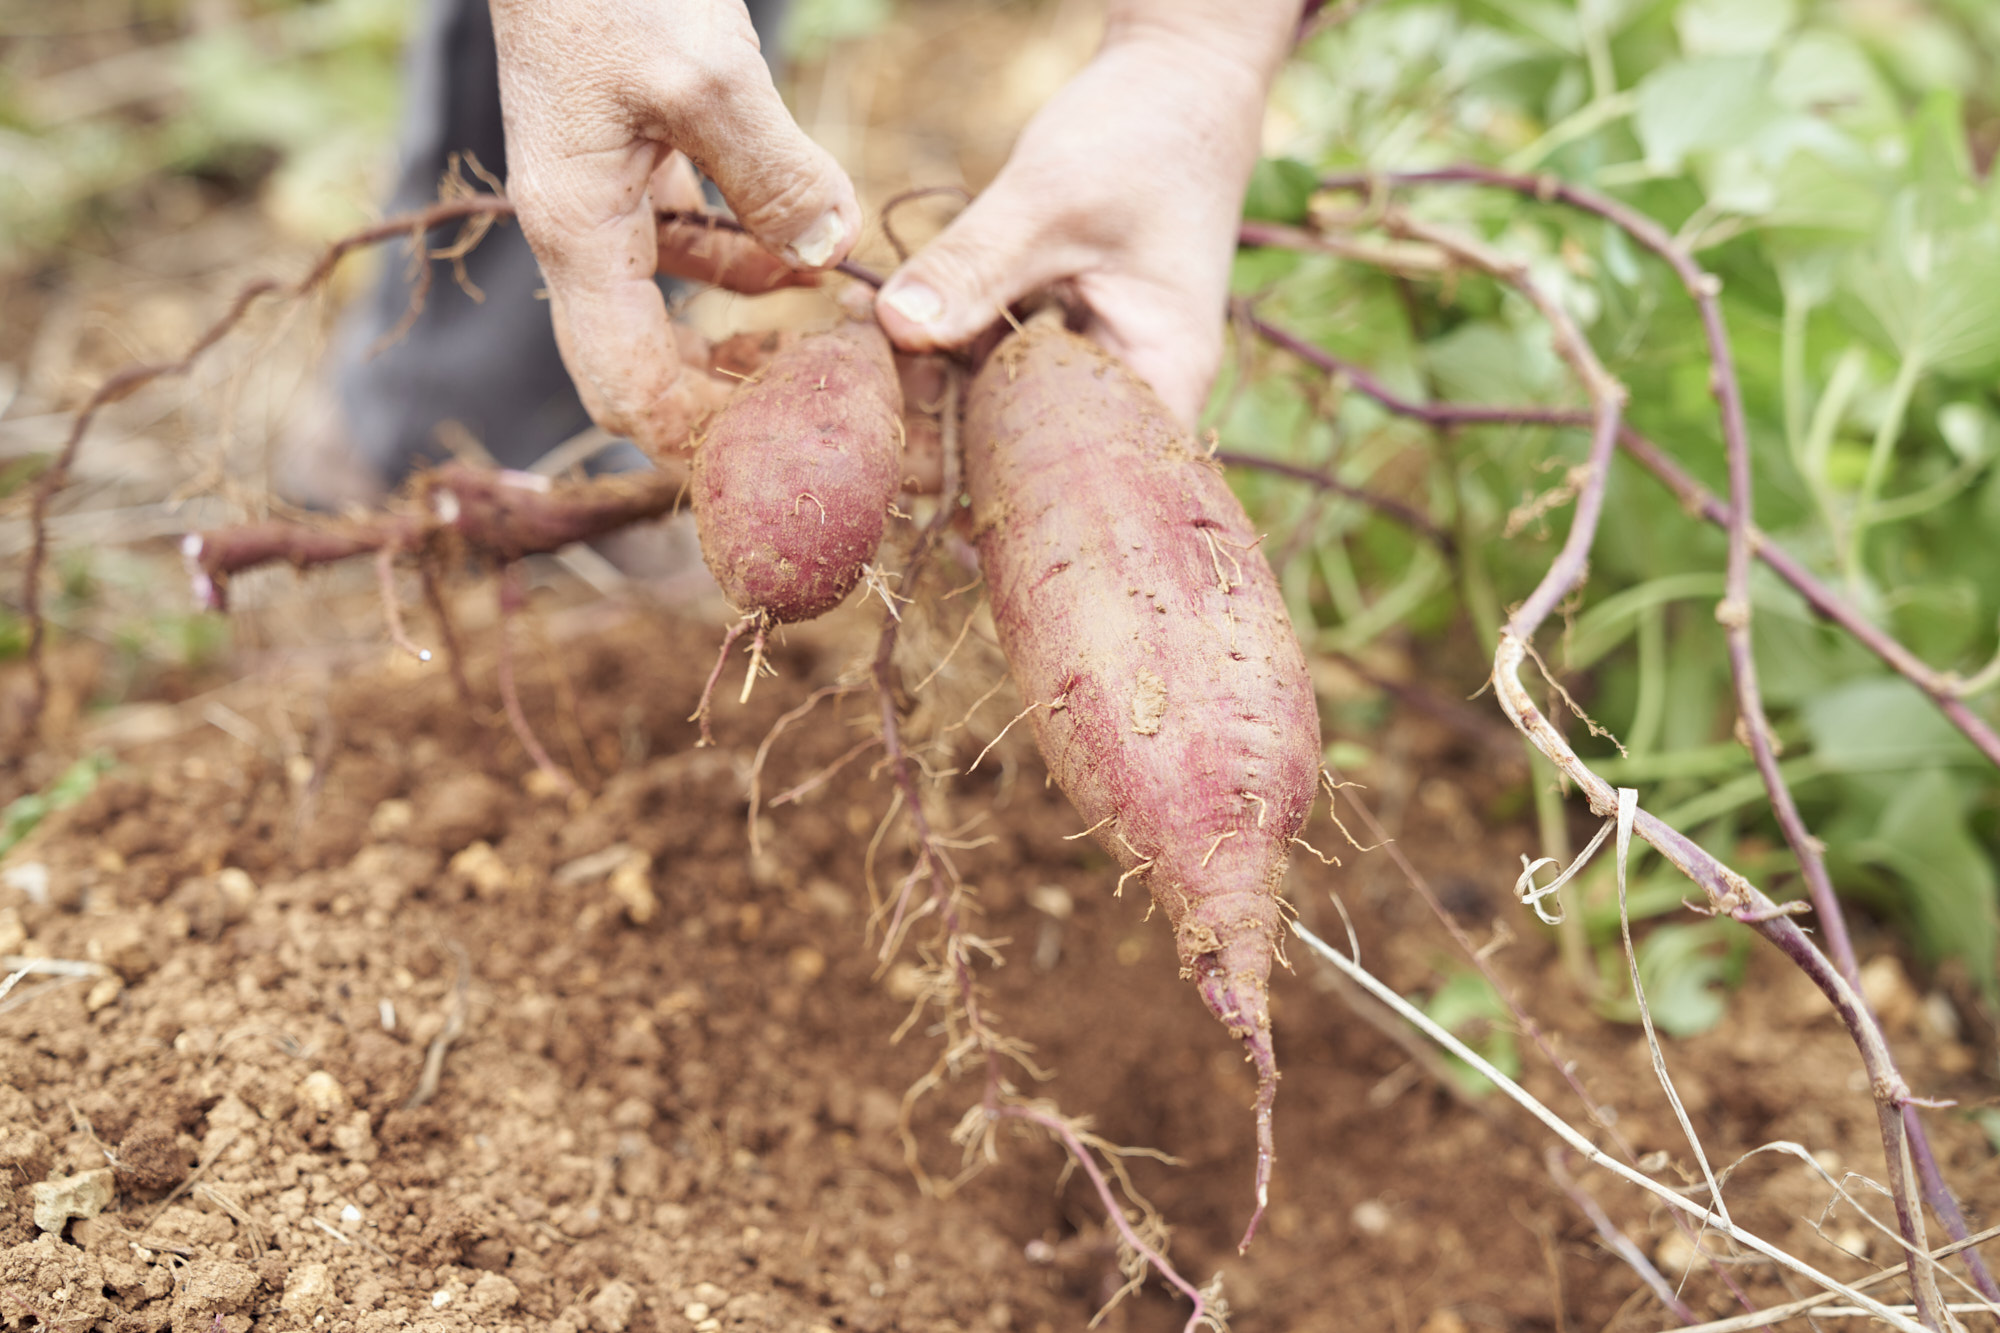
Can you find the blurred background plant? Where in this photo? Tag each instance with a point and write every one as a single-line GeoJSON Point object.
{"type": "Point", "coordinates": [99, 96]}
{"type": "Point", "coordinates": [1830, 162]}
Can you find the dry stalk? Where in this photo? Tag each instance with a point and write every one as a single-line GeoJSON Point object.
{"type": "Point", "coordinates": [1728, 892]}
{"type": "Point", "coordinates": [1581, 1145]}
{"type": "Point", "coordinates": [129, 380]}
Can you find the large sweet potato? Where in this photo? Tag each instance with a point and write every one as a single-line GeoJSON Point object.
{"type": "Point", "coordinates": [1175, 708]}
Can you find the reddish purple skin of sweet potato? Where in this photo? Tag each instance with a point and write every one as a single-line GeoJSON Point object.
{"type": "Point", "coordinates": [1178, 710]}
{"type": "Point", "coordinates": [794, 479]}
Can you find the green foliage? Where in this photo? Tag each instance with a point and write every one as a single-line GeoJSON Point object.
{"type": "Point", "coordinates": [1824, 160]}
{"type": "Point", "coordinates": [1281, 189]}
{"type": "Point", "coordinates": [1467, 1006]}
{"type": "Point", "coordinates": [298, 95]}
{"type": "Point", "coordinates": [814, 27]}
{"type": "Point", "coordinates": [1684, 968]}
{"type": "Point", "coordinates": [19, 817]}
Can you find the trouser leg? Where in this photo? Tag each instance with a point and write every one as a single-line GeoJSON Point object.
{"type": "Point", "coordinates": [490, 365]}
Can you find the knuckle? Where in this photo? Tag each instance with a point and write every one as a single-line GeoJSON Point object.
{"type": "Point", "coordinates": [775, 202]}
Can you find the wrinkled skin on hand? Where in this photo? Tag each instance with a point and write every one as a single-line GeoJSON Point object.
{"type": "Point", "coordinates": [1129, 184]}
{"type": "Point", "coordinates": [607, 103]}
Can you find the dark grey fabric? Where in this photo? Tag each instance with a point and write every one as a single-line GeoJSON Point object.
{"type": "Point", "coordinates": [491, 366]}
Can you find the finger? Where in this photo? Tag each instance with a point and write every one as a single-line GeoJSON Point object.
{"type": "Point", "coordinates": [590, 222]}
{"type": "Point", "coordinates": [1001, 248]}
{"type": "Point", "coordinates": [702, 252]}
{"type": "Point", "coordinates": [699, 252]}
{"type": "Point", "coordinates": [787, 191]}
{"type": "Point", "coordinates": [1170, 338]}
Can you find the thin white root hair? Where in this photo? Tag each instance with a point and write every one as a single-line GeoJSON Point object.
{"type": "Point", "coordinates": [980, 703]}
{"type": "Point", "coordinates": [1140, 869]}
{"type": "Point", "coordinates": [757, 666]}
{"type": "Point", "coordinates": [949, 653]}
{"type": "Point", "coordinates": [1333, 811]}
{"type": "Point", "coordinates": [1215, 555]}
{"type": "Point", "coordinates": [877, 582]}
{"type": "Point", "coordinates": [1324, 859]}
{"type": "Point", "coordinates": [1220, 838]}
{"type": "Point", "coordinates": [1009, 727]}
{"type": "Point", "coordinates": [1072, 837]}
{"type": "Point", "coordinates": [392, 605]}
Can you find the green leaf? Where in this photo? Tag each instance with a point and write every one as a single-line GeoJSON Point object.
{"type": "Point", "coordinates": [1684, 969]}
{"type": "Point", "coordinates": [1700, 105]}
{"type": "Point", "coordinates": [1733, 27]}
{"type": "Point", "coordinates": [1949, 881]}
{"type": "Point", "coordinates": [812, 27]}
{"type": "Point", "coordinates": [1468, 1007]}
{"type": "Point", "coordinates": [1281, 190]}
{"type": "Point", "coordinates": [19, 817]}
{"type": "Point", "coordinates": [1484, 361]}
{"type": "Point", "coordinates": [1931, 291]}
{"type": "Point", "coordinates": [1828, 74]}
{"type": "Point", "coordinates": [1880, 722]}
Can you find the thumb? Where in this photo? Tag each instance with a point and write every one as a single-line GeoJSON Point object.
{"type": "Point", "coordinates": [992, 254]}
{"type": "Point", "coordinates": [786, 190]}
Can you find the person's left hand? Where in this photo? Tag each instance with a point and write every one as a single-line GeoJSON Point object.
{"type": "Point", "coordinates": [1129, 183]}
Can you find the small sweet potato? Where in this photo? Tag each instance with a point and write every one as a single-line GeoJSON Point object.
{"type": "Point", "coordinates": [794, 478]}
{"type": "Point", "coordinates": [1169, 694]}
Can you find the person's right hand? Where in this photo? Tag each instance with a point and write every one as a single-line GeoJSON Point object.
{"type": "Point", "coordinates": [598, 95]}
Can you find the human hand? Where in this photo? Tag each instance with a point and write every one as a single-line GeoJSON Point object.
{"type": "Point", "coordinates": [598, 95]}
{"type": "Point", "coordinates": [1129, 183]}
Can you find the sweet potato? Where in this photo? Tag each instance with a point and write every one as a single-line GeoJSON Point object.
{"type": "Point", "coordinates": [794, 479]}
{"type": "Point", "coordinates": [1169, 694]}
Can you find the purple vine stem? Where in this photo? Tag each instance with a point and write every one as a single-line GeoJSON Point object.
{"type": "Point", "coordinates": [1727, 891]}
{"type": "Point", "coordinates": [1705, 288]}
{"type": "Point", "coordinates": [1734, 613]}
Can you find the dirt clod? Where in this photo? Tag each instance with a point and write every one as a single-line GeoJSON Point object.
{"type": "Point", "coordinates": [214, 1295]}
{"type": "Point", "coordinates": [153, 1156]}
{"type": "Point", "coordinates": [85, 1194]}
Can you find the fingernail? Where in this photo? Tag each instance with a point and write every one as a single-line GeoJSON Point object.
{"type": "Point", "coordinates": [914, 302]}
{"type": "Point", "coordinates": [815, 246]}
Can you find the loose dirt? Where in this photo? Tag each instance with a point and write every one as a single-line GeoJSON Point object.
{"type": "Point", "coordinates": [390, 1034]}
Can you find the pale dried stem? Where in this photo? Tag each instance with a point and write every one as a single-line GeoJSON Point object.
{"type": "Point", "coordinates": [512, 598]}
{"type": "Point", "coordinates": [1614, 1239]}
{"type": "Point", "coordinates": [1727, 891]}
{"type": "Point", "coordinates": [1815, 1304]}
{"type": "Point", "coordinates": [1577, 1143]}
{"type": "Point", "coordinates": [1481, 959]}
{"type": "Point", "coordinates": [129, 380]}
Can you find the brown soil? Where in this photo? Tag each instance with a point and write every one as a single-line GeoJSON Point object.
{"type": "Point", "coordinates": [673, 1096]}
